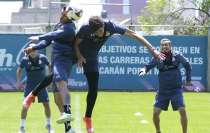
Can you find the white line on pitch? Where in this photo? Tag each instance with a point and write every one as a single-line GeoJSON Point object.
{"type": "Point", "coordinates": [77, 114]}
{"type": "Point", "coordinates": [144, 122]}
{"type": "Point", "coordinates": [138, 114]}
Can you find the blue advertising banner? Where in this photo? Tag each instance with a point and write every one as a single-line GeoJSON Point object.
{"type": "Point", "coordinates": [120, 59]}
{"type": "Point", "coordinates": [11, 52]}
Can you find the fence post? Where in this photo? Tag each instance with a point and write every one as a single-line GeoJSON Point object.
{"type": "Point", "coordinates": [208, 60]}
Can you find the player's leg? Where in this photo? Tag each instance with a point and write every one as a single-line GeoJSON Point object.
{"type": "Point", "coordinates": [47, 111]}
{"type": "Point", "coordinates": [24, 112]}
{"type": "Point", "coordinates": [23, 119]}
{"type": "Point", "coordinates": [177, 102]}
{"type": "Point", "coordinates": [36, 89]}
{"type": "Point", "coordinates": [29, 99]}
{"type": "Point", "coordinates": [62, 70]}
{"type": "Point", "coordinates": [63, 91]}
{"type": "Point", "coordinates": [57, 98]}
{"type": "Point", "coordinates": [92, 79]}
{"type": "Point", "coordinates": [92, 76]}
{"type": "Point", "coordinates": [66, 117]}
{"type": "Point", "coordinates": [61, 77]}
{"type": "Point", "coordinates": [184, 120]}
{"type": "Point", "coordinates": [161, 103]}
{"type": "Point", "coordinates": [156, 119]}
{"type": "Point", "coordinates": [44, 99]}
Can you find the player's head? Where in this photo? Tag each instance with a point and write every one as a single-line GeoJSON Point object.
{"type": "Point", "coordinates": [96, 24]}
{"type": "Point", "coordinates": [34, 52]}
{"type": "Point", "coordinates": [70, 13]}
{"type": "Point", "coordinates": [165, 45]}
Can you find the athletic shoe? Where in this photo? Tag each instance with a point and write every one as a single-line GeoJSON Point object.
{"type": "Point", "coordinates": [71, 131]}
{"type": "Point", "coordinates": [21, 130]}
{"type": "Point", "coordinates": [49, 128]}
{"type": "Point", "coordinates": [28, 100]}
{"type": "Point", "coordinates": [64, 118]}
{"type": "Point", "coordinates": [88, 123]}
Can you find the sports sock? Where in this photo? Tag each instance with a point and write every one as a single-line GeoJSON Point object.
{"type": "Point", "coordinates": [68, 111]}
{"type": "Point", "coordinates": [23, 123]}
{"type": "Point", "coordinates": [48, 121]}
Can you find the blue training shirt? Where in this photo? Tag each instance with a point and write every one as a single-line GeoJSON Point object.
{"type": "Point", "coordinates": [170, 78]}
{"type": "Point", "coordinates": [62, 39]}
{"type": "Point", "coordinates": [35, 69]}
{"type": "Point", "coordinates": [91, 44]}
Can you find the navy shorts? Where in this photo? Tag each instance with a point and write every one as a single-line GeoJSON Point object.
{"type": "Point", "coordinates": [176, 99]}
{"type": "Point", "coordinates": [62, 67]}
{"type": "Point", "coordinates": [42, 96]}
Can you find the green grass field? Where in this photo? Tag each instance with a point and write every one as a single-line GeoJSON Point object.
{"type": "Point", "coordinates": [115, 112]}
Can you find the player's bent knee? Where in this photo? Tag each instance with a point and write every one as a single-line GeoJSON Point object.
{"type": "Point", "coordinates": [62, 84]}
{"type": "Point", "coordinates": [46, 104]}
{"type": "Point", "coordinates": [24, 109]}
{"type": "Point", "coordinates": [156, 111]}
{"type": "Point", "coordinates": [156, 114]}
{"type": "Point", "coordinates": [182, 112]}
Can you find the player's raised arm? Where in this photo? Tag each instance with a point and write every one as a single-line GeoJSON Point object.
{"type": "Point", "coordinates": [53, 35]}
{"type": "Point", "coordinates": [140, 38]}
{"type": "Point", "coordinates": [42, 44]}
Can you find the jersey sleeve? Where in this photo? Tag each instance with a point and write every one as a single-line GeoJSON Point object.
{"type": "Point", "coordinates": [54, 35]}
{"type": "Point", "coordinates": [116, 29]}
{"type": "Point", "coordinates": [186, 65]}
{"type": "Point", "coordinates": [151, 64]}
{"type": "Point", "coordinates": [42, 44]}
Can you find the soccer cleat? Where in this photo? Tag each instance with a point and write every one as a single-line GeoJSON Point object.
{"type": "Point", "coordinates": [88, 123]}
{"type": "Point", "coordinates": [64, 118]}
{"type": "Point", "coordinates": [28, 100]}
{"type": "Point", "coordinates": [22, 130]}
{"type": "Point", "coordinates": [71, 131]}
{"type": "Point", "coordinates": [49, 128]}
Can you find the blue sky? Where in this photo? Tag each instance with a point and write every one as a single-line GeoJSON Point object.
{"type": "Point", "coordinates": [6, 9]}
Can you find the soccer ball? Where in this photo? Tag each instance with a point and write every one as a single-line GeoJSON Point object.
{"type": "Point", "coordinates": [74, 13]}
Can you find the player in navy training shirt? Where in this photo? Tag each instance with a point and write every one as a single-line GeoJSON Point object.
{"type": "Point", "coordinates": [170, 83]}
{"type": "Point", "coordinates": [34, 65]}
{"type": "Point", "coordinates": [89, 40]}
{"type": "Point", "coordinates": [62, 39]}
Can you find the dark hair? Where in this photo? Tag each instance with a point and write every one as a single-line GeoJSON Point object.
{"type": "Point", "coordinates": [95, 22]}
{"type": "Point", "coordinates": [165, 40]}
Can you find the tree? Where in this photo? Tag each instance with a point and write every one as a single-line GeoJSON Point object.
{"type": "Point", "coordinates": [173, 15]}
{"type": "Point", "coordinates": [153, 14]}
{"type": "Point", "coordinates": [193, 22]}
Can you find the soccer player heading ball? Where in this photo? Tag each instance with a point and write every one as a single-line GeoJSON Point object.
{"type": "Point", "coordinates": [90, 38]}
{"type": "Point", "coordinates": [62, 39]}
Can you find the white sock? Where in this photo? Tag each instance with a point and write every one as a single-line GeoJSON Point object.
{"type": "Point", "coordinates": [23, 123]}
{"type": "Point", "coordinates": [48, 121]}
{"type": "Point", "coordinates": [63, 113]}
